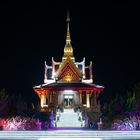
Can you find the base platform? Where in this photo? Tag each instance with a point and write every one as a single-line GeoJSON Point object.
{"type": "Point", "coordinates": [69, 135]}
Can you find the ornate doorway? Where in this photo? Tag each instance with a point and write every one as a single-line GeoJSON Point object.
{"type": "Point", "coordinates": [68, 101]}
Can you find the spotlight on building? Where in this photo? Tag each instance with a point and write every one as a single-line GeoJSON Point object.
{"type": "Point", "coordinates": [68, 91]}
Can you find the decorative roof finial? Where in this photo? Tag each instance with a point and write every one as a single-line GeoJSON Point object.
{"type": "Point", "coordinates": [68, 17]}
{"type": "Point", "coordinates": [68, 39]}
{"type": "Point", "coordinates": [68, 50]}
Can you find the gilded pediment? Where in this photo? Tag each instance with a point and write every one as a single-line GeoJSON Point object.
{"type": "Point", "coordinates": [68, 69]}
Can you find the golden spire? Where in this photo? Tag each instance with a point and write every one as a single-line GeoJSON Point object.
{"type": "Point", "coordinates": [68, 50]}
{"type": "Point", "coordinates": [68, 40]}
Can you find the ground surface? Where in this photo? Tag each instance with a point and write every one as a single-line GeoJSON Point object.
{"type": "Point", "coordinates": [69, 134]}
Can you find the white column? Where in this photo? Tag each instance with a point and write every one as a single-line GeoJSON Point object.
{"type": "Point", "coordinates": [43, 100]}
{"type": "Point", "coordinates": [83, 68]}
{"type": "Point", "coordinates": [53, 68]}
{"type": "Point", "coordinates": [87, 99]}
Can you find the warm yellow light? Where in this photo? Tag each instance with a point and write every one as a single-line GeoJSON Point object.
{"type": "Point", "coordinates": [68, 79]}
{"type": "Point", "coordinates": [43, 100]}
{"type": "Point", "coordinates": [88, 105]}
{"type": "Point", "coordinates": [87, 100]}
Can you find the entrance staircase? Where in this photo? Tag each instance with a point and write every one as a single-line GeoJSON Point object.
{"type": "Point", "coordinates": [69, 118]}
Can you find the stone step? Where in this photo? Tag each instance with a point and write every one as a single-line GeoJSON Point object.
{"type": "Point", "coordinates": [68, 119]}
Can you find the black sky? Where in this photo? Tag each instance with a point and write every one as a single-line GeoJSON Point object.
{"type": "Point", "coordinates": [105, 32]}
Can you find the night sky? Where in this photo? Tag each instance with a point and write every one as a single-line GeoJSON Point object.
{"type": "Point", "coordinates": [105, 32]}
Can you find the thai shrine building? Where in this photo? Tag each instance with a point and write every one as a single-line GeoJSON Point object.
{"type": "Point", "coordinates": [68, 83]}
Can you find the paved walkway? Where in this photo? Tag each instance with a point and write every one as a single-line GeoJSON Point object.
{"type": "Point", "coordinates": [69, 135]}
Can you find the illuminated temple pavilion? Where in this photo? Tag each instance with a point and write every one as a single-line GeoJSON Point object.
{"type": "Point", "coordinates": [68, 83]}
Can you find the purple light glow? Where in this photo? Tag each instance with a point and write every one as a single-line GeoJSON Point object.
{"type": "Point", "coordinates": [127, 124]}
{"type": "Point", "coordinates": [20, 123]}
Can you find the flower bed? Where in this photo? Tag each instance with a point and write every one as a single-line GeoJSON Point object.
{"type": "Point", "coordinates": [126, 124]}
{"type": "Point", "coordinates": [20, 123]}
